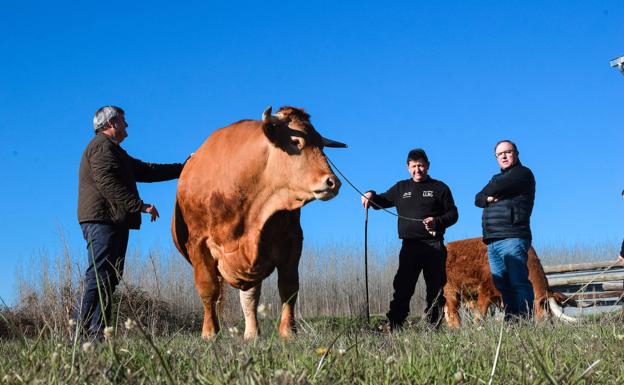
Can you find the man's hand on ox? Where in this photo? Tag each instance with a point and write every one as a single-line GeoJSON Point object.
{"type": "Point", "coordinates": [151, 209]}
{"type": "Point", "coordinates": [365, 199]}
{"type": "Point", "coordinates": [620, 260]}
{"type": "Point", "coordinates": [492, 199]}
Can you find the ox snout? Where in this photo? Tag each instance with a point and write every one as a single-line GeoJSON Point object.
{"type": "Point", "coordinates": [329, 188]}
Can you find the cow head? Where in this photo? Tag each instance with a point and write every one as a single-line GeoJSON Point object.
{"type": "Point", "coordinates": [298, 155]}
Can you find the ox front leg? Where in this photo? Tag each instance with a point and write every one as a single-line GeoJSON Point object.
{"type": "Point", "coordinates": [209, 288]}
{"type": "Point", "coordinates": [451, 315]}
{"type": "Point", "coordinates": [249, 303]}
{"type": "Point", "coordinates": [288, 285]}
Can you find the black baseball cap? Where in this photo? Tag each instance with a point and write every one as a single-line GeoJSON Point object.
{"type": "Point", "coordinates": [417, 154]}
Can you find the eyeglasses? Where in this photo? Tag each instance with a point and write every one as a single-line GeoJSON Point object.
{"type": "Point", "coordinates": [506, 152]}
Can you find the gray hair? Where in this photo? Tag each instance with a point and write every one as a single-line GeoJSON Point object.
{"type": "Point", "coordinates": [515, 148]}
{"type": "Point", "coordinates": [104, 115]}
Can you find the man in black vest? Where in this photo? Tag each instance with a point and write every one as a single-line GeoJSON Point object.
{"type": "Point", "coordinates": [426, 208]}
{"type": "Point", "coordinates": [108, 207]}
{"type": "Point", "coordinates": [507, 202]}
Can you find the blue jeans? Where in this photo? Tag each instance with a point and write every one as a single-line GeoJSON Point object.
{"type": "Point", "coordinates": [508, 263]}
{"type": "Point", "coordinates": [106, 249]}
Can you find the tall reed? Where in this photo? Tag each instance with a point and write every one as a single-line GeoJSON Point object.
{"type": "Point", "coordinates": [160, 284]}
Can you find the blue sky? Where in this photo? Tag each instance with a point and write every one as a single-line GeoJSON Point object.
{"type": "Point", "coordinates": [449, 77]}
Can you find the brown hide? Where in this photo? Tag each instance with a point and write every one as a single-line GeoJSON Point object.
{"type": "Point", "coordinates": [469, 278]}
{"type": "Point", "coordinates": [238, 202]}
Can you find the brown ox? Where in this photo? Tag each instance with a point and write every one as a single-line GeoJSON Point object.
{"type": "Point", "coordinates": [237, 210]}
{"type": "Point", "coordinates": [469, 278]}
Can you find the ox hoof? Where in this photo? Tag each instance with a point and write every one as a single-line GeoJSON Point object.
{"type": "Point", "coordinates": [286, 333]}
{"type": "Point", "coordinates": [250, 335]}
{"type": "Point", "coordinates": [452, 321]}
{"type": "Point", "coordinates": [209, 336]}
{"type": "Point", "coordinates": [288, 330]}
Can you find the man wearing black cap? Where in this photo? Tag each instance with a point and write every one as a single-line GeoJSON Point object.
{"type": "Point", "coordinates": [108, 207]}
{"type": "Point", "coordinates": [426, 208]}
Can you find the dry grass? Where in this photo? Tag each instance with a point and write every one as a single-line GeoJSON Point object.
{"type": "Point", "coordinates": [160, 285]}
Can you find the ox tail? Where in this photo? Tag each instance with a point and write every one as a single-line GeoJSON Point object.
{"type": "Point", "coordinates": [179, 231]}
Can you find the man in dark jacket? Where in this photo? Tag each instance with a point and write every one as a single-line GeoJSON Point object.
{"type": "Point", "coordinates": [108, 206]}
{"type": "Point", "coordinates": [426, 208]}
{"type": "Point", "coordinates": [507, 202]}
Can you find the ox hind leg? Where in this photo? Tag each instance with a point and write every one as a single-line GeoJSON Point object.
{"type": "Point", "coordinates": [487, 296]}
{"type": "Point", "coordinates": [249, 303]}
{"type": "Point", "coordinates": [288, 286]}
{"type": "Point", "coordinates": [540, 304]}
{"type": "Point", "coordinates": [208, 287]}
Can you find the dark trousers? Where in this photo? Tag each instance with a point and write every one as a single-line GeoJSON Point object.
{"type": "Point", "coordinates": [106, 249]}
{"type": "Point", "coordinates": [416, 256]}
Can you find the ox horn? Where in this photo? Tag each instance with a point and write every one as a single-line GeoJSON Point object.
{"type": "Point", "coordinates": [266, 115]}
{"type": "Point", "coordinates": [558, 311]}
{"type": "Point", "coordinates": [332, 143]}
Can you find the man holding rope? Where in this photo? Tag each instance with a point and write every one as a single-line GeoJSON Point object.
{"type": "Point", "coordinates": [425, 207]}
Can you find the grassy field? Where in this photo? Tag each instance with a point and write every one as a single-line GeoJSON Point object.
{"type": "Point", "coordinates": [331, 351]}
{"type": "Point", "coordinates": [333, 346]}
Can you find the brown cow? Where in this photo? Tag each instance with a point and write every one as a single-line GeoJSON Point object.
{"type": "Point", "coordinates": [469, 278]}
{"type": "Point", "coordinates": [237, 209]}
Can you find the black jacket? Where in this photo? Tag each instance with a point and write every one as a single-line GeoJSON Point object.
{"type": "Point", "coordinates": [419, 200]}
{"type": "Point", "coordinates": [510, 217]}
{"type": "Point", "coordinates": [107, 190]}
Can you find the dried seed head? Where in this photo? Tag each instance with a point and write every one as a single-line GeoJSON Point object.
{"type": "Point", "coordinates": [108, 331]}
{"type": "Point", "coordinates": [390, 360]}
{"type": "Point", "coordinates": [130, 324]}
{"type": "Point", "coordinates": [262, 310]}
